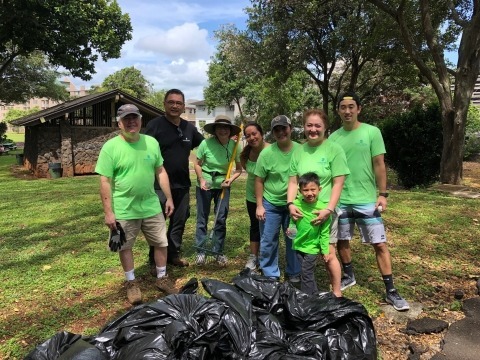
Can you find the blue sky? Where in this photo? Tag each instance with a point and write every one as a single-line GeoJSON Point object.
{"type": "Point", "coordinates": [172, 41]}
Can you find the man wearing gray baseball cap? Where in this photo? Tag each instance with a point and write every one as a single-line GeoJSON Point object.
{"type": "Point", "coordinates": [124, 164]}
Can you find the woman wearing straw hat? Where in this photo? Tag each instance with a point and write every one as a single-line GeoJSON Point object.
{"type": "Point", "coordinates": [214, 156]}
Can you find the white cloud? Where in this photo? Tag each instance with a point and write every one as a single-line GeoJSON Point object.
{"type": "Point", "coordinates": [172, 42]}
{"type": "Point", "coordinates": [186, 41]}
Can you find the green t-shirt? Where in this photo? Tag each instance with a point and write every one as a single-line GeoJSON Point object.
{"type": "Point", "coordinates": [131, 168]}
{"type": "Point", "coordinates": [311, 239]}
{"type": "Point", "coordinates": [327, 161]}
{"type": "Point", "coordinates": [272, 166]}
{"type": "Point", "coordinates": [250, 186]}
{"type": "Point", "coordinates": [360, 145]}
{"type": "Point", "coordinates": [215, 158]}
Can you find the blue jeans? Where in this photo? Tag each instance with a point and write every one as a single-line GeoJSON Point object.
{"type": "Point", "coordinates": [276, 217]}
{"type": "Point", "coordinates": [204, 200]}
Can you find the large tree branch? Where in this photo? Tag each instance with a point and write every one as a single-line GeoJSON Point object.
{"type": "Point", "coordinates": [408, 42]}
{"type": "Point", "coordinates": [455, 15]}
{"type": "Point", "coordinates": [436, 50]}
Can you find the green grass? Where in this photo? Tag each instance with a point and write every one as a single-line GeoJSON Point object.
{"type": "Point", "coordinates": [57, 274]}
{"type": "Point", "coordinates": [16, 137]}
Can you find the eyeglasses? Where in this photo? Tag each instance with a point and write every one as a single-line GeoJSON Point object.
{"type": "Point", "coordinates": [180, 133]}
{"type": "Point", "coordinates": [172, 103]}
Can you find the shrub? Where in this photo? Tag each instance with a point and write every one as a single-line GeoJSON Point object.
{"type": "Point", "coordinates": [472, 133]}
{"type": "Point", "coordinates": [414, 145]}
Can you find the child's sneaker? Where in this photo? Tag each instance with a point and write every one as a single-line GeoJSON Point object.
{"type": "Point", "coordinates": [222, 260]}
{"type": "Point", "coordinates": [394, 299]}
{"type": "Point", "coordinates": [201, 258]}
{"type": "Point", "coordinates": [251, 262]}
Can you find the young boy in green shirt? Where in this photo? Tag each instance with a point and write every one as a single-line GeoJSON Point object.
{"type": "Point", "coordinates": [310, 240]}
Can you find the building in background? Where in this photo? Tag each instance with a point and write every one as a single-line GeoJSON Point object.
{"type": "Point", "coordinates": [43, 103]}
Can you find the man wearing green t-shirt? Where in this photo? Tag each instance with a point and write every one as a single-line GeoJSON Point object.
{"type": "Point", "coordinates": [129, 199]}
{"type": "Point", "coordinates": [364, 148]}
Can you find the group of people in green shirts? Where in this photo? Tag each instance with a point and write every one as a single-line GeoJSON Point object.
{"type": "Point", "coordinates": [324, 187]}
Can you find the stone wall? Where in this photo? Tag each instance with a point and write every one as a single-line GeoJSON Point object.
{"type": "Point", "coordinates": [75, 147]}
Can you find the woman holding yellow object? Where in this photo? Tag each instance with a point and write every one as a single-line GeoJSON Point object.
{"type": "Point", "coordinates": [215, 158]}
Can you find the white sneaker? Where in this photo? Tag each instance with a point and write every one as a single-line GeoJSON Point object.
{"type": "Point", "coordinates": [222, 260]}
{"type": "Point", "coordinates": [252, 262]}
{"type": "Point", "coordinates": [200, 259]}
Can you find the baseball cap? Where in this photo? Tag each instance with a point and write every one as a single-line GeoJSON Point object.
{"type": "Point", "coordinates": [349, 95]}
{"type": "Point", "coordinates": [281, 120]}
{"type": "Point", "coordinates": [126, 109]}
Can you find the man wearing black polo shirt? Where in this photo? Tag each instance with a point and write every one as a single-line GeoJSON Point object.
{"type": "Point", "coordinates": [177, 138]}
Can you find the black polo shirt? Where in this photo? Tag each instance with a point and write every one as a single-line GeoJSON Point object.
{"type": "Point", "coordinates": [176, 143]}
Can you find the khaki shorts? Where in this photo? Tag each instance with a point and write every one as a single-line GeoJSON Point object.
{"type": "Point", "coordinates": [153, 228]}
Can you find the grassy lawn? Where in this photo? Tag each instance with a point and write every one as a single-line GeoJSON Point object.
{"type": "Point", "coordinates": [16, 137]}
{"type": "Point", "coordinates": [57, 274]}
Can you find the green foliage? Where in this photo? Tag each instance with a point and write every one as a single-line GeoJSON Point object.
{"type": "Point", "coordinates": [129, 80]}
{"type": "Point", "coordinates": [14, 114]}
{"type": "Point", "coordinates": [413, 141]}
{"type": "Point", "coordinates": [71, 33]}
{"type": "Point", "coordinates": [156, 98]}
{"type": "Point", "coordinates": [472, 132]}
{"type": "Point", "coordinates": [30, 76]}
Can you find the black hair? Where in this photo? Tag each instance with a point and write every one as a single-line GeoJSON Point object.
{"type": "Point", "coordinates": [246, 150]}
{"type": "Point", "coordinates": [350, 95]}
{"type": "Point", "coordinates": [307, 178]}
{"type": "Point", "coordinates": [174, 91]}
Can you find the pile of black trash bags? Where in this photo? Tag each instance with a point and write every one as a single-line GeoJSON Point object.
{"type": "Point", "coordinates": [256, 318]}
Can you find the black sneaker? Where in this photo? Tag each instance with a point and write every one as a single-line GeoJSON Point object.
{"type": "Point", "coordinates": [394, 299]}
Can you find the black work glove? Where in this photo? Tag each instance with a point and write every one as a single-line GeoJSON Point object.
{"type": "Point", "coordinates": [117, 238]}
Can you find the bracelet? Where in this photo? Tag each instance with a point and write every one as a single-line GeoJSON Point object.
{"type": "Point", "coordinates": [289, 203]}
{"type": "Point", "coordinates": [331, 211]}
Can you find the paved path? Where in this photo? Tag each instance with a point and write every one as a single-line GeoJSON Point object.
{"type": "Point", "coordinates": [462, 341]}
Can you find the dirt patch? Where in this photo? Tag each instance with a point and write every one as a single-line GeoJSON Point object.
{"type": "Point", "coordinates": [20, 172]}
{"type": "Point", "coordinates": [471, 175]}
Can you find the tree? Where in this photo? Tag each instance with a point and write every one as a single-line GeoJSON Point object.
{"type": "Point", "coordinates": [258, 95]}
{"type": "Point", "coordinates": [432, 28]}
{"type": "Point", "coordinates": [71, 33]}
{"type": "Point", "coordinates": [127, 79]}
{"type": "Point", "coordinates": [156, 98]}
{"type": "Point", "coordinates": [339, 45]}
{"type": "Point", "coordinates": [31, 76]}
{"type": "Point", "coordinates": [14, 114]}
{"type": "Point", "coordinates": [225, 82]}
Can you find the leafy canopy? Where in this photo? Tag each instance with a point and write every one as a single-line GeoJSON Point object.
{"type": "Point", "coordinates": [71, 33]}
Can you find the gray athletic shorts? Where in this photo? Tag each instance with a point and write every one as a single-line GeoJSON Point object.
{"type": "Point", "coordinates": [368, 220]}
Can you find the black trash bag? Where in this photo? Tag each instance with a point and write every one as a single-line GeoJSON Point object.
{"type": "Point", "coordinates": [256, 318]}
{"type": "Point", "coordinates": [237, 319]}
{"type": "Point", "coordinates": [66, 346]}
{"type": "Point", "coordinates": [345, 324]}
{"type": "Point", "coordinates": [188, 324]}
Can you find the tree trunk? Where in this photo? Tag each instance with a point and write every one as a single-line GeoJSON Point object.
{"type": "Point", "coordinates": [451, 164]}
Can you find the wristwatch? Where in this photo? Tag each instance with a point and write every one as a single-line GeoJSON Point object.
{"type": "Point", "coordinates": [289, 203]}
{"type": "Point", "coordinates": [385, 194]}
